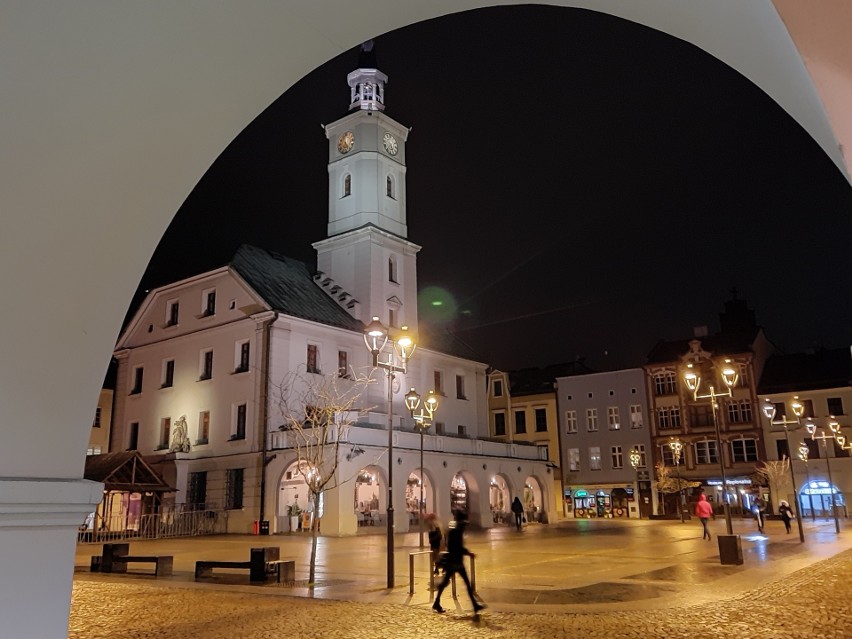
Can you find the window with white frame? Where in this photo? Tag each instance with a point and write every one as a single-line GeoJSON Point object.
{"type": "Point", "coordinates": [541, 420]}
{"type": "Point", "coordinates": [208, 301]}
{"type": "Point", "coordinates": [242, 354]}
{"type": "Point", "coordinates": [234, 489]}
{"type": "Point", "coordinates": [497, 385]}
{"type": "Point", "coordinates": [594, 458]}
{"type": "Point", "coordinates": [665, 383]}
{"type": "Point", "coordinates": [460, 387]}
{"type": "Point", "coordinates": [643, 460]}
{"type": "Point", "coordinates": [438, 379]}
{"type": "Point", "coordinates": [206, 364]}
{"type": "Point", "coordinates": [520, 422]}
{"type": "Point", "coordinates": [499, 424]}
{"type": "Point", "coordinates": [172, 312]}
{"type": "Point", "coordinates": [138, 375]}
{"type": "Point", "coordinates": [617, 457]}
{"type": "Point", "coordinates": [312, 361]}
{"type": "Point", "coordinates": [591, 419]}
{"type": "Point", "coordinates": [636, 416]}
{"type": "Point", "coordinates": [203, 427]}
{"type": "Point", "coordinates": [668, 417]}
{"type": "Point", "coordinates": [744, 450]}
{"type": "Point", "coordinates": [392, 275]}
{"type": "Point", "coordinates": [240, 422]}
{"type": "Point", "coordinates": [94, 450]}
{"type": "Point", "coordinates": [612, 418]}
{"type": "Point", "coordinates": [706, 453]}
{"type": "Point", "coordinates": [165, 432]}
{"type": "Point", "coordinates": [570, 421]}
{"type": "Point", "coordinates": [574, 459]}
{"type": "Point", "coordinates": [739, 411]}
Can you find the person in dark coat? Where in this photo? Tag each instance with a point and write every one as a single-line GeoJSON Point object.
{"type": "Point", "coordinates": [435, 539]}
{"type": "Point", "coordinates": [518, 509]}
{"type": "Point", "coordinates": [786, 514]}
{"type": "Point", "coordinates": [455, 564]}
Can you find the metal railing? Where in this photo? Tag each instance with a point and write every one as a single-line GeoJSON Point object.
{"type": "Point", "coordinates": [191, 523]}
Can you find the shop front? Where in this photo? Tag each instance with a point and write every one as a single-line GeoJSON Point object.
{"type": "Point", "coordinates": [741, 494]}
{"type": "Point", "coordinates": [610, 502]}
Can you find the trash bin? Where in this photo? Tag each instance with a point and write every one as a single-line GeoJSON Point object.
{"type": "Point", "coordinates": [730, 550]}
{"type": "Point", "coordinates": [264, 527]}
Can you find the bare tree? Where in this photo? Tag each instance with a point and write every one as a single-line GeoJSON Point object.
{"type": "Point", "coordinates": [668, 484]}
{"type": "Point", "coordinates": [317, 411]}
{"type": "Point", "coordinates": [777, 474]}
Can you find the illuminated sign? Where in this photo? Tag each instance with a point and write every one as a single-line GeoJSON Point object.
{"type": "Point", "coordinates": [580, 493]}
{"type": "Point", "coordinates": [739, 481]}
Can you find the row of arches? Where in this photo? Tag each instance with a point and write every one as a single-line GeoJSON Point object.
{"type": "Point", "coordinates": [422, 495]}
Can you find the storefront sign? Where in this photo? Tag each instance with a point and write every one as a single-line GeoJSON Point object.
{"type": "Point", "coordinates": [737, 481]}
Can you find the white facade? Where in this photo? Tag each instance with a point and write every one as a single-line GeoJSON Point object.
{"type": "Point", "coordinates": [213, 349]}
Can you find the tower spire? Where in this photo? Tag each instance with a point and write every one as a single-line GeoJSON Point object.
{"type": "Point", "coordinates": [367, 83]}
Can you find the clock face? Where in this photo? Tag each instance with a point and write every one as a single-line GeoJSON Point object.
{"type": "Point", "coordinates": [345, 142]}
{"type": "Point", "coordinates": [390, 144]}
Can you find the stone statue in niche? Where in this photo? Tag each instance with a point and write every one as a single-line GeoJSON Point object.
{"type": "Point", "coordinates": [180, 437]}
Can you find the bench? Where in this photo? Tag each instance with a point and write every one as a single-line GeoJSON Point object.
{"type": "Point", "coordinates": [262, 563]}
{"type": "Point", "coordinates": [115, 557]}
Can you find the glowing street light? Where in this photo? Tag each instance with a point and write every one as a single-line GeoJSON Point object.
{"type": "Point", "coordinates": [834, 427]}
{"type": "Point", "coordinates": [798, 410]}
{"type": "Point", "coordinates": [677, 448]}
{"type": "Point", "coordinates": [376, 337]}
{"type": "Point", "coordinates": [729, 378]}
{"type": "Point", "coordinates": [422, 421]}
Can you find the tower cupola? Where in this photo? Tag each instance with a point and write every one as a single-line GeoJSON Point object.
{"type": "Point", "coordinates": [367, 83]}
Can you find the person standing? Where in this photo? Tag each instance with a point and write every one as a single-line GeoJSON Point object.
{"type": "Point", "coordinates": [518, 509]}
{"type": "Point", "coordinates": [786, 514]}
{"type": "Point", "coordinates": [455, 563]}
{"type": "Point", "coordinates": [704, 511]}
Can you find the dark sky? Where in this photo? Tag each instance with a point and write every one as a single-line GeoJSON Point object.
{"type": "Point", "coordinates": [581, 186]}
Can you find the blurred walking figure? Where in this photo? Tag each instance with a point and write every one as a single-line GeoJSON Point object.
{"type": "Point", "coordinates": [704, 511]}
{"type": "Point", "coordinates": [759, 510]}
{"type": "Point", "coordinates": [454, 563]}
{"type": "Point", "coordinates": [786, 514]}
{"type": "Point", "coordinates": [518, 509]}
{"type": "Point", "coordinates": [435, 538]}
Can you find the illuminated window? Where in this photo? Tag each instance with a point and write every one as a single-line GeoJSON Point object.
{"type": "Point", "coordinates": [612, 417]}
{"type": "Point", "coordinates": [595, 458]}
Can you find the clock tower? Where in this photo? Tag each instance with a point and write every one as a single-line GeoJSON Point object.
{"type": "Point", "coordinates": [367, 252]}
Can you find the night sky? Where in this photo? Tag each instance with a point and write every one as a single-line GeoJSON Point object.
{"type": "Point", "coordinates": [581, 186]}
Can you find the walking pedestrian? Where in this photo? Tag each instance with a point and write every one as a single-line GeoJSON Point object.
{"type": "Point", "coordinates": [704, 510]}
{"type": "Point", "coordinates": [455, 563]}
{"type": "Point", "coordinates": [518, 509]}
{"type": "Point", "coordinates": [786, 514]}
{"type": "Point", "coordinates": [759, 510]}
{"type": "Point", "coordinates": [435, 539]}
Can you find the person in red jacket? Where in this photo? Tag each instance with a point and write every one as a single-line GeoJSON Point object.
{"type": "Point", "coordinates": [704, 511]}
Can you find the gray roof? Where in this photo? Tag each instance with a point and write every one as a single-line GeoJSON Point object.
{"type": "Point", "coordinates": [287, 285]}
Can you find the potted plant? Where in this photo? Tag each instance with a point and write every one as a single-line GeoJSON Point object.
{"type": "Point", "coordinates": [293, 511]}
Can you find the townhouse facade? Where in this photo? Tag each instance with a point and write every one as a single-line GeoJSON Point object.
{"type": "Point", "coordinates": [605, 445]}
{"type": "Point", "coordinates": [689, 417]}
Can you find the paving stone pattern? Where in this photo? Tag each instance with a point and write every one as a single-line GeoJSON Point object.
{"type": "Point", "coordinates": [810, 603]}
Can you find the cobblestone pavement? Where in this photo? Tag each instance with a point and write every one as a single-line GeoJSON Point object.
{"type": "Point", "coordinates": [814, 602]}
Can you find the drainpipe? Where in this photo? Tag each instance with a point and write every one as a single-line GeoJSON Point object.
{"type": "Point", "coordinates": [264, 413]}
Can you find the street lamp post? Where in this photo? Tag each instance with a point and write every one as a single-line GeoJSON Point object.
{"type": "Point", "coordinates": [835, 427]}
{"type": "Point", "coordinates": [677, 448]}
{"type": "Point", "coordinates": [798, 410]}
{"type": "Point", "coordinates": [376, 337]}
{"type": "Point", "coordinates": [635, 460]}
{"type": "Point", "coordinates": [693, 383]}
{"type": "Point", "coordinates": [423, 420]}
{"type": "Point", "coordinates": [803, 455]}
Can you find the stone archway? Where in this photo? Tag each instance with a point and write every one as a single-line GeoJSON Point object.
{"type": "Point", "coordinates": [61, 212]}
{"type": "Point", "coordinates": [500, 499]}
